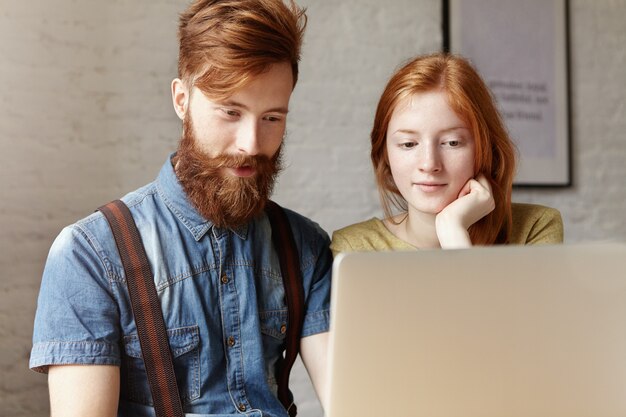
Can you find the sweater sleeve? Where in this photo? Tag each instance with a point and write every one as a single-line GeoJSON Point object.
{"type": "Point", "coordinates": [340, 243]}
{"type": "Point", "coordinates": [547, 228]}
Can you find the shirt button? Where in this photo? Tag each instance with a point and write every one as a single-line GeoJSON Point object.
{"type": "Point", "coordinates": [224, 279]}
{"type": "Point", "coordinates": [242, 407]}
{"type": "Point", "coordinates": [231, 341]}
{"type": "Point", "coordinates": [283, 329]}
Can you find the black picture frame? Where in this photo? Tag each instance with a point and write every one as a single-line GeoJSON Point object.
{"type": "Point", "coordinates": [521, 49]}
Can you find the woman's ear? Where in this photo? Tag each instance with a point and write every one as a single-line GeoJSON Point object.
{"type": "Point", "coordinates": [180, 98]}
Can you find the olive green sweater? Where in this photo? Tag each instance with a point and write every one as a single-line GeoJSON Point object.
{"type": "Point", "coordinates": [532, 224]}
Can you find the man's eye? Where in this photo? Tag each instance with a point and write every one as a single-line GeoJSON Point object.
{"type": "Point", "coordinates": [273, 118]}
{"type": "Point", "coordinates": [231, 113]}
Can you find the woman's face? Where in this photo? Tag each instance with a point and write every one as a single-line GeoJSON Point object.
{"type": "Point", "coordinates": [431, 151]}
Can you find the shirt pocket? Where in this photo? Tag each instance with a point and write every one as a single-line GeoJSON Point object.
{"type": "Point", "coordinates": [184, 344]}
{"type": "Point", "coordinates": [274, 323]}
{"type": "Point", "coordinates": [273, 329]}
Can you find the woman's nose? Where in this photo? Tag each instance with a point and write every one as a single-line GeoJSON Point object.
{"type": "Point", "coordinates": [429, 159]}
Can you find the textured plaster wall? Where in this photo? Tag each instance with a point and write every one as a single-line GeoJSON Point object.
{"type": "Point", "coordinates": [85, 116]}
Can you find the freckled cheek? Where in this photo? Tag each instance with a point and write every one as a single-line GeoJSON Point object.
{"type": "Point", "coordinates": [455, 193]}
{"type": "Point", "coordinates": [463, 165]}
{"type": "Point", "coordinates": [401, 171]}
{"type": "Point", "coordinates": [463, 175]}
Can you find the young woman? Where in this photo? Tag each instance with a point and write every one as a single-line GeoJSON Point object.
{"type": "Point", "coordinates": [444, 165]}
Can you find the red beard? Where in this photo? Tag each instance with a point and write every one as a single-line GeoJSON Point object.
{"type": "Point", "coordinates": [226, 200]}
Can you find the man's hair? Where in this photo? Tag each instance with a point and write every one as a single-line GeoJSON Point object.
{"type": "Point", "coordinates": [225, 43]}
{"type": "Point", "coordinates": [472, 101]}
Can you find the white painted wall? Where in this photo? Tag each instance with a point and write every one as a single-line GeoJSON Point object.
{"type": "Point", "coordinates": [85, 116]}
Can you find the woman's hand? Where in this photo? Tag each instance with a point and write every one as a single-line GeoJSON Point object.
{"type": "Point", "coordinates": [475, 201]}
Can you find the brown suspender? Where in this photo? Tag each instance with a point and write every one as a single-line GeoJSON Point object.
{"type": "Point", "coordinates": [294, 295]}
{"type": "Point", "coordinates": [155, 347]}
{"type": "Point", "coordinates": [149, 317]}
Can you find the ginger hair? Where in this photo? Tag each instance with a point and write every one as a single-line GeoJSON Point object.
{"type": "Point", "coordinates": [472, 101]}
{"type": "Point", "coordinates": [224, 43]}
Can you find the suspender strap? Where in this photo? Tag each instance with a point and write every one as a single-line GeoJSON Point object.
{"type": "Point", "coordinates": [146, 308]}
{"type": "Point", "coordinates": [149, 317]}
{"type": "Point", "coordinates": [285, 245]}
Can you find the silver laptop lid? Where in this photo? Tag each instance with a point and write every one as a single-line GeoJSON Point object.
{"type": "Point", "coordinates": [487, 332]}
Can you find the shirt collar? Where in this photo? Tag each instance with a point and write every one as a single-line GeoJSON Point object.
{"type": "Point", "coordinates": [173, 195]}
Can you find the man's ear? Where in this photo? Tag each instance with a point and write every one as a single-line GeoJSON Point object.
{"type": "Point", "coordinates": [180, 98]}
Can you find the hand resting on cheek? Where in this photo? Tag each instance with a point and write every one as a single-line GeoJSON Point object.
{"type": "Point", "coordinates": [475, 201]}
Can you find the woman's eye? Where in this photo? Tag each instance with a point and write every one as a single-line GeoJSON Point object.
{"type": "Point", "coordinates": [452, 143]}
{"type": "Point", "coordinates": [272, 118]}
{"type": "Point", "coordinates": [408, 145]}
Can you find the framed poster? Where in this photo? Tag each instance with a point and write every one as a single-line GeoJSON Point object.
{"type": "Point", "coordinates": [520, 48]}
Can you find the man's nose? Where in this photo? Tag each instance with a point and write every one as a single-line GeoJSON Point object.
{"type": "Point", "coordinates": [248, 138]}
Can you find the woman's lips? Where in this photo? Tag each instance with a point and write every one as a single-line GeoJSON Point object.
{"type": "Point", "coordinates": [429, 187]}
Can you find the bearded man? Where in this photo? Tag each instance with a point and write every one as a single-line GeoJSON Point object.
{"type": "Point", "coordinates": [207, 239]}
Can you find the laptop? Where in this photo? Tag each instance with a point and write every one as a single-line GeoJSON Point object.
{"type": "Point", "coordinates": [506, 331]}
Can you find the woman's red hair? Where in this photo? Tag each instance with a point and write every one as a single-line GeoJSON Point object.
{"type": "Point", "coordinates": [472, 101]}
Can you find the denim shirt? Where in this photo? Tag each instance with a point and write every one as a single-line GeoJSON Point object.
{"type": "Point", "coordinates": [220, 290]}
